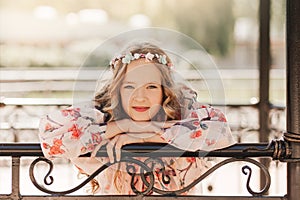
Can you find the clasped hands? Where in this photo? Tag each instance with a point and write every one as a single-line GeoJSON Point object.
{"type": "Point", "coordinates": [127, 131]}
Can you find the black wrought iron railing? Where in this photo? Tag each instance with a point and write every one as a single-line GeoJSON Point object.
{"type": "Point", "coordinates": [246, 152]}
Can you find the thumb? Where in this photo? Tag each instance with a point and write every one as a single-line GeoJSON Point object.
{"type": "Point", "coordinates": [96, 149]}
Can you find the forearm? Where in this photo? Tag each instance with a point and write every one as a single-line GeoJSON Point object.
{"type": "Point", "coordinates": [155, 139]}
{"type": "Point", "coordinates": [148, 137]}
{"type": "Point", "coordinates": [112, 129]}
{"type": "Point", "coordinates": [129, 126]}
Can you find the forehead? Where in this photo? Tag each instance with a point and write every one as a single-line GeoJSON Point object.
{"type": "Point", "coordinates": [142, 72]}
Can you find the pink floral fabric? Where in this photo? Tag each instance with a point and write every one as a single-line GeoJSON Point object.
{"type": "Point", "coordinates": [77, 130]}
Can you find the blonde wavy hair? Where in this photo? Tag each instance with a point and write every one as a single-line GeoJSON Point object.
{"type": "Point", "coordinates": [108, 98]}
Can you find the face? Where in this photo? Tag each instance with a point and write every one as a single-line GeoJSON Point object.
{"type": "Point", "coordinates": [141, 90]}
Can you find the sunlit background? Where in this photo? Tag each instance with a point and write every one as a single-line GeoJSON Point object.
{"type": "Point", "coordinates": [61, 34]}
{"type": "Point", "coordinates": [43, 41]}
{"type": "Point", "coordinates": [51, 33]}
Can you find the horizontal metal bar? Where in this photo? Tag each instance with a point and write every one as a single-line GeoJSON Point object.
{"type": "Point", "coordinates": [152, 197]}
{"type": "Point", "coordinates": [20, 149]}
{"type": "Point", "coordinates": [240, 150]}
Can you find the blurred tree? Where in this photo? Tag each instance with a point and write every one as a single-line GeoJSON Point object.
{"type": "Point", "coordinates": [210, 23]}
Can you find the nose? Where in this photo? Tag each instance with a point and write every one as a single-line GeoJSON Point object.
{"type": "Point", "coordinates": [139, 94]}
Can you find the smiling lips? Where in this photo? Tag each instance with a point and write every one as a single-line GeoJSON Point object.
{"type": "Point", "coordinates": [140, 108]}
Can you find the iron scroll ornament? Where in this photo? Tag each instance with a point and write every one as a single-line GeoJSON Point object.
{"type": "Point", "coordinates": [130, 171]}
{"type": "Point", "coordinates": [147, 176]}
{"type": "Point", "coordinates": [214, 168]}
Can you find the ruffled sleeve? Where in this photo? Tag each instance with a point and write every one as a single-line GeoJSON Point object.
{"type": "Point", "coordinates": [203, 128]}
{"type": "Point", "coordinates": [71, 132]}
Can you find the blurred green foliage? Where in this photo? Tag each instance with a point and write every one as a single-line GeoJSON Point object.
{"type": "Point", "coordinates": [210, 23]}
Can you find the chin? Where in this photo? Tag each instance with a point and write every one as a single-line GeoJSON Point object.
{"type": "Point", "coordinates": [139, 119]}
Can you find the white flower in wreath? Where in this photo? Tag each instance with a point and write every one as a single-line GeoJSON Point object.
{"type": "Point", "coordinates": [136, 56]}
{"type": "Point", "coordinates": [149, 56]}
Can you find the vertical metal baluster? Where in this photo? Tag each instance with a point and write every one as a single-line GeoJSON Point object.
{"type": "Point", "coordinates": [15, 178]}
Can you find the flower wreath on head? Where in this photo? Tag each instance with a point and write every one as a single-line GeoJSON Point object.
{"type": "Point", "coordinates": [126, 59]}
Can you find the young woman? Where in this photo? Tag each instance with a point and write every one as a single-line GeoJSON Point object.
{"type": "Point", "coordinates": [141, 103]}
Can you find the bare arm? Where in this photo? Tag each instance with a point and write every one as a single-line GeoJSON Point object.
{"type": "Point", "coordinates": [136, 132]}
{"type": "Point", "coordinates": [123, 139]}
{"type": "Point", "coordinates": [129, 126]}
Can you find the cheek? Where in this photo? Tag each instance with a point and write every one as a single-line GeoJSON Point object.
{"type": "Point", "coordinates": [126, 98]}
{"type": "Point", "coordinates": [156, 103]}
{"type": "Point", "coordinates": [156, 97]}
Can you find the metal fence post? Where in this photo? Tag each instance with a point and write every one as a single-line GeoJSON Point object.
{"type": "Point", "coordinates": [264, 60]}
{"type": "Point", "coordinates": [293, 96]}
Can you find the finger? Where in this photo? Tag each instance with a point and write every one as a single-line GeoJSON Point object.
{"type": "Point", "coordinates": [98, 146]}
{"type": "Point", "coordinates": [94, 152]}
{"type": "Point", "coordinates": [118, 147]}
{"type": "Point", "coordinates": [123, 140]}
{"type": "Point", "coordinates": [109, 147]}
{"type": "Point", "coordinates": [114, 128]}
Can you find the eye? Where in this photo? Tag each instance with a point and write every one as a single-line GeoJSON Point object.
{"type": "Point", "coordinates": [130, 87]}
{"type": "Point", "coordinates": [152, 87]}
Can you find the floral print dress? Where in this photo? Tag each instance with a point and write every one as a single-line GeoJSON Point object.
{"type": "Point", "coordinates": [77, 130]}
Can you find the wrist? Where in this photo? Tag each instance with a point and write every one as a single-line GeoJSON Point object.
{"type": "Point", "coordinates": [112, 129]}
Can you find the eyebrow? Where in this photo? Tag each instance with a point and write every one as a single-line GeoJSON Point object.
{"type": "Point", "coordinates": [154, 83]}
{"type": "Point", "coordinates": [128, 82]}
